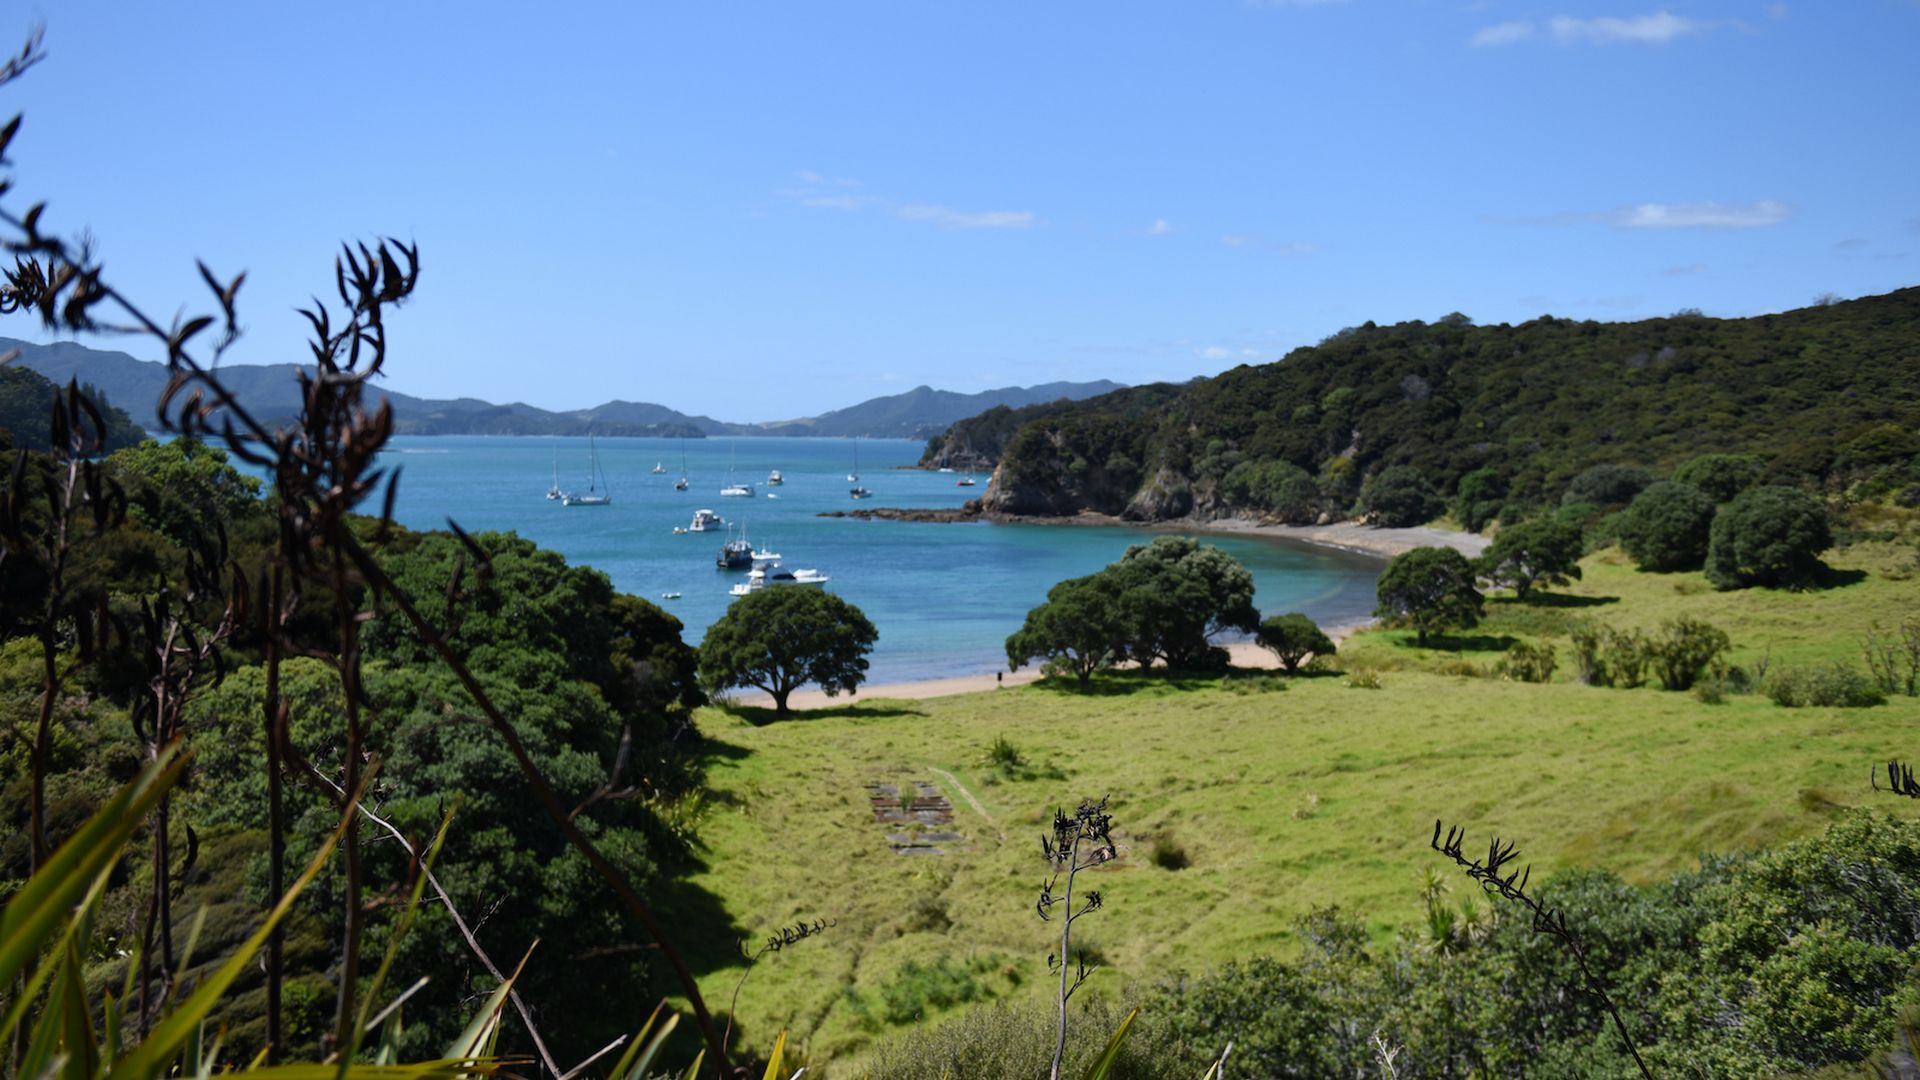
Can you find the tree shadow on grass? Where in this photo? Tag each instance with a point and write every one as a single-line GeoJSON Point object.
{"type": "Point", "coordinates": [1554, 600]}
{"type": "Point", "coordinates": [1464, 642]}
{"type": "Point", "coordinates": [762, 715]}
{"type": "Point", "coordinates": [1123, 683]}
{"type": "Point", "coordinates": [1828, 577]}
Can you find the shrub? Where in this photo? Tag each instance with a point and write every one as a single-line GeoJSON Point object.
{"type": "Point", "coordinates": [1399, 496]}
{"type": "Point", "coordinates": [1893, 657]}
{"type": "Point", "coordinates": [1529, 663]}
{"type": "Point", "coordinates": [1603, 656]}
{"type": "Point", "coordinates": [1532, 555]}
{"type": "Point", "coordinates": [917, 988]}
{"type": "Point", "coordinates": [1431, 589]}
{"type": "Point", "coordinates": [1686, 649]}
{"type": "Point", "coordinates": [1667, 526]}
{"type": "Point", "coordinates": [1278, 487]}
{"type": "Point", "coordinates": [1720, 476]}
{"type": "Point", "coordinates": [1003, 755]}
{"type": "Point", "coordinates": [1293, 638]}
{"type": "Point", "coordinates": [1824, 685]}
{"type": "Point", "coordinates": [1607, 486]}
{"type": "Point", "coordinates": [1014, 1040]}
{"type": "Point", "coordinates": [1770, 536]}
{"type": "Point", "coordinates": [1364, 679]}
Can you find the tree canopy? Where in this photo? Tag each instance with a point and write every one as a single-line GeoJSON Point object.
{"type": "Point", "coordinates": [1769, 536]}
{"type": "Point", "coordinates": [1292, 638]}
{"type": "Point", "coordinates": [1079, 630]}
{"type": "Point", "coordinates": [1430, 589]}
{"type": "Point", "coordinates": [783, 637]}
{"type": "Point", "coordinates": [1532, 555]}
{"type": "Point", "coordinates": [1666, 527]}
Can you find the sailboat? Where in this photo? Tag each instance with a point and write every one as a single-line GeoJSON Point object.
{"type": "Point", "coordinates": [735, 487]}
{"type": "Point", "coordinates": [681, 484]}
{"type": "Point", "coordinates": [554, 492]}
{"type": "Point", "coordinates": [658, 468]}
{"type": "Point", "coordinates": [854, 476]}
{"type": "Point", "coordinates": [595, 495]}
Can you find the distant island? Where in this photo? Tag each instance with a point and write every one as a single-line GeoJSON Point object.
{"type": "Point", "coordinates": [272, 392]}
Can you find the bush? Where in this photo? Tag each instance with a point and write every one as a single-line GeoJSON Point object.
{"type": "Point", "coordinates": [1014, 1042]}
{"type": "Point", "coordinates": [1686, 649]}
{"type": "Point", "coordinates": [1603, 656]}
{"type": "Point", "coordinates": [1770, 536]}
{"type": "Point", "coordinates": [1278, 487]}
{"type": "Point", "coordinates": [1720, 476]}
{"type": "Point", "coordinates": [1167, 854]}
{"type": "Point", "coordinates": [1292, 638]}
{"type": "Point", "coordinates": [1431, 589]}
{"type": "Point", "coordinates": [1532, 555]}
{"type": "Point", "coordinates": [1529, 663]}
{"type": "Point", "coordinates": [1824, 685]}
{"type": "Point", "coordinates": [1667, 527]}
{"type": "Point", "coordinates": [1365, 679]}
{"type": "Point", "coordinates": [1607, 486]}
{"type": "Point", "coordinates": [1400, 495]}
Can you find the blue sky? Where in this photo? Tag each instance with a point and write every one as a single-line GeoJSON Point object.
{"type": "Point", "coordinates": [759, 210]}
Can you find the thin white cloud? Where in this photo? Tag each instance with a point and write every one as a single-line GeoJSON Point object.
{"type": "Point", "coordinates": [1688, 270]}
{"type": "Point", "coordinates": [1656, 29]}
{"type": "Point", "coordinates": [1222, 352]}
{"type": "Point", "coordinates": [1776, 11]}
{"type": "Point", "coordinates": [821, 192]}
{"type": "Point", "coordinates": [1159, 228]}
{"type": "Point", "coordinates": [1253, 242]}
{"type": "Point", "coordinates": [949, 218]}
{"type": "Point", "coordinates": [1505, 33]}
{"type": "Point", "coordinates": [1659, 28]}
{"type": "Point", "coordinates": [1700, 215]}
{"type": "Point", "coordinates": [1852, 243]}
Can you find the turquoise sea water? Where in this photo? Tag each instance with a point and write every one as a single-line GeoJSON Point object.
{"type": "Point", "coordinates": [943, 596]}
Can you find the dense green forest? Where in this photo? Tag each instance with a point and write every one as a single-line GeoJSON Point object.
{"type": "Point", "coordinates": [26, 398]}
{"type": "Point", "coordinates": [1826, 396]}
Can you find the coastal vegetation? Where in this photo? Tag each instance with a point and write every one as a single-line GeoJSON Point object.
{"type": "Point", "coordinates": [1501, 420]}
{"type": "Point", "coordinates": [779, 639]}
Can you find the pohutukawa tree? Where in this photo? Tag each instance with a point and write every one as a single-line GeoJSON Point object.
{"type": "Point", "coordinates": [786, 636]}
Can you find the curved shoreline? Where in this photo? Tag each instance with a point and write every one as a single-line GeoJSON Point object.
{"type": "Point", "coordinates": [1370, 541]}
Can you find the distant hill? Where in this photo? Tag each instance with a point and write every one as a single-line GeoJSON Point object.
{"type": "Point", "coordinates": [923, 411]}
{"type": "Point", "coordinates": [1823, 395]}
{"type": "Point", "coordinates": [26, 414]}
{"type": "Point", "coordinates": [272, 393]}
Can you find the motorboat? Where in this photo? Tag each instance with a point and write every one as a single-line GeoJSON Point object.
{"type": "Point", "coordinates": [859, 492]}
{"type": "Point", "coordinates": [738, 491]}
{"type": "Point", "coordinates": [809, 577]}
{"type": "Point", "coordinates": [763, 556]}
{"type": "Point", "coordinates": [774, 478]}
{"type": "Point", "coordinates": [669, 596]}
{"type": "Point", "coordinates": [679, 530]}
{"type": "Point", "coordinates": [704, 520]}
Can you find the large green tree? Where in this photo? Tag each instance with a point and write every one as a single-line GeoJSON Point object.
{"type": "Point", "coordinates": [1174, 595]}
{"type": "Point", "coordinates": [1533, 554]}
{"type": "Point", "coordinates": [1401, 495]}
{"type": "Point", "coordinates": [1666, 527]}
{"type": "Point", "coordinates": [1721, 476]}
{"type": "Point", "coordinates": [1078, 630]}
{"type": "Point", "coordinates": [1430, 589]}
{"type": "Point", "coordinates": [786, 636]}
{"type": "Point", "coordinates": [1768, 536]}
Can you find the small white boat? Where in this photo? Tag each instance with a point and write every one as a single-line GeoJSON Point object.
{"type": "Point", "coordinates": [965, 481]}
{"type": "Point", "coordinates": [669, 596]}
{"type": "Point", "coordinates": [943, 468]}
{"type": "Point", "coordinates": [771, 495]}
{"type": "Point", "coordinates": [596, 493]}
{"type": "Point", "coordinates": [659, 469]}
{"type": "Point", "coordinates": [705, 519]}
{"type": "Point", "coordinates": [679, 530]}
{"type": "Point", "coordinates": [738, 491]}
{"type": "Point", "coordinates": [763, 556]}
{"type": "Point", "coordinates": [774, 478]}
{"type": "Point", "coordinates": [554, 492]}
{"type": "Point", "coordinates": [810, 577]}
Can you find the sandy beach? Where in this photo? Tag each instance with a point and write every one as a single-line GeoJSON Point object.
{"type": "Point", "coordinates": [1347, 536]}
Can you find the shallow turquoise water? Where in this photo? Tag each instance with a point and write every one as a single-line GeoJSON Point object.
{"type": "Point", "coordinates": [943, 596]}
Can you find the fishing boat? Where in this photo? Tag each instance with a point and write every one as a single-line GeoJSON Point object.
{"type": "Point", "coordinates": [735, 554]}
{"type": "Point", "coordinates": [705, 520]}
{"type": "Point", "coordinates": [596, 493]}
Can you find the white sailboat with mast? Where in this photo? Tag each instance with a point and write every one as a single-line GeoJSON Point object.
{"type": "Point", "coordinates": [596, 493]}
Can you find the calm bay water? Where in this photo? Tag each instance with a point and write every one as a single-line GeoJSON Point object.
{"type": "Point", "coordinates": [943, 596]}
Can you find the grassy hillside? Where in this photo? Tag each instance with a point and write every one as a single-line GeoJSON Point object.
{"type": "Point", "coordinates": [1535, 403]}
{"type": "Point", "coordinates": [1280, 800]}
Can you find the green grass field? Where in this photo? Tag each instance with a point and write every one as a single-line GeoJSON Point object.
{"type": "Point", "coordinates": [1280, 800]}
